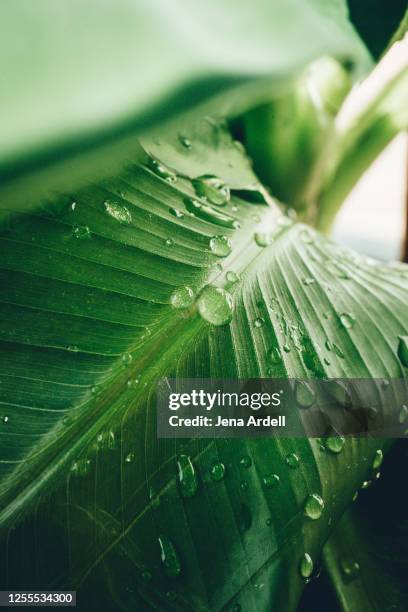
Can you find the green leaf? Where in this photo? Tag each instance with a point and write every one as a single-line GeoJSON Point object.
{"type": "Point", "coordinates": [88, 326]}
{"type": "Point", "coordinates": [371, 116]}
{"type": "Point", "coordinates": [81, 79]}
{"type": "Point", "coordinates": [366, 557]}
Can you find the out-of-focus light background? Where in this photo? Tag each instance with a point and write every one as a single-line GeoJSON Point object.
{"type": "Point", "coordinates": [373, 218]}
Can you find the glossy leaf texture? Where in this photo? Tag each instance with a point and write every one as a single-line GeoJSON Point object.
{"type": "Point", "coordinates": [79, 80]}
{"type": "Point", "coordinates": [101, 296]}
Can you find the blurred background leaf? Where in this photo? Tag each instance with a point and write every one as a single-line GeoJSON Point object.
{"type": "Point", "coordinates": [80, 80]}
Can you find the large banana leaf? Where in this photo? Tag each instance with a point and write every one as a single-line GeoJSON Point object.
{"type": "Point", "coordinates": [79, 79]}
{"type": "Point", "coordinates": [90, 319]}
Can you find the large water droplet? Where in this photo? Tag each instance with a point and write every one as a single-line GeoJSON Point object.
{"type": "Point", "coordinates": [81, 232]}
{"type": "Point", "coordinates": [217, 471]}
{"type": "Point", "coordinates": [347, 320]}
{"type": "Point", "coordinates": [335, 444]}
{"type": "Point", "coordinates": [169, 557]}
{"type": "Point", "coordinates": [182, 297]}
{"type": "Point", "coordinates": [215, 305]}
{"type": "Point", "coordinates": [314, 506]}
{"type": "Point", "coordinates": [212, 188]}
{"type": "Point", "coordinates": [304, 394]}
{"type": "Point", "coordinates": [220, 246]}
{"type": "Point", "coordinates": [118, 212]}
{"type": "Point", "coordinates": [232, 277]}
{"type": "Point", "coordinates": [306, 566]}
{"type": "Point", "coordinates": [403, 350]}
{"type": "Point", "coordinates": [187, 477]}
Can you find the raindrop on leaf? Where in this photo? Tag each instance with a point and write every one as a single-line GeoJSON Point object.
{"type": "Point", "coordinates": [215, 305]}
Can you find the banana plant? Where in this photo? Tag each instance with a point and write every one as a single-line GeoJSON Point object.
{"type": "Point", "coordinates": [139, 243]}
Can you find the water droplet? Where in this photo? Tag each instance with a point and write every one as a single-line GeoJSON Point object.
{"type": "Point", "coordinates": [217, 471]}
{"type": "Point", "coordinates": [118, 212]}
{"type": "Point", "coordinates": [274, 356]}
{"type": "Point", "coordinates": [262, 239]}
{"type": "Point", "coordinates": [129, 457]}
{"type": "Point", "coordinates": [220, 246]}
{"type": "Point", "coordinates": [259, 322]}
{"type": "Point", "coordinates": [268, 522]}
{"type": "Point", "coordinates": [146, 576]}
{"type": "Point", "coordinates": [232, 277]}
{"type": "Point", "coordinates": [292, 460]}
{"type": "Point", "coordinates": [185, 142]}
{"type": "Point", "coordinates": [314, 506]}
{"type": "Point", "coordinates": [403, 414]}
{"type": "Point", "coordinates": [347, 320]}
{"type": "Point", "coordinates": [215, 305]}
{"type": "Point", "coordinates": [366, 484]}
{"type": "Point", "coordinates": [271, 480]}
{"type": "Point", "coordinates": [403, 350]}
{"type": "Point", "coordinates": [246, 461]}
{"type": "Point", "coordinates": [187, 477]}
{"type": "Point", "coordinates": [338, 351]}
{"type": "Point", "coordinates": [212, 188]}
{"type": "Point", "coordinates": [80, 467]}
{"type": "Point", "coordinates": [306, 566]}
{"type": "Point", "coordinates": [304, 394]}
{"type": "Point", "coordinates": [169, 242]}
{"type": "Point", "coordinates": [208, 213]}
{"type": "Point", "coordinates": [162, 170]}
{"type": "Point", "coordinates": [182, 297]}
{"type": "Point", "coordinates": [169, 557]}
{"type": "Point", "coordinates": [335, 444]}
{"type": "Point", "coordinates": [81, 232]}
{"type": "Point", "coordinates": [127, 359]}
{"type": "Point", "coordinates": [5, 419]}
{"type": "Point", "coordinates": [308, 280]}
{"type": "Point", "coordinates": [350, 569]}
{"type": "Point", "coordinates": [244, 485]}
{"type": "Point", "coordinates": [378, 459]}
{"type": "Point", "coordinates": [176, 213]}
{"type": "Point", "coordinates": [106, 440]}
{"type": "Point", "coordinates": [306, 236]}
{"type": "Point", "coordinates": [132, 382]}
